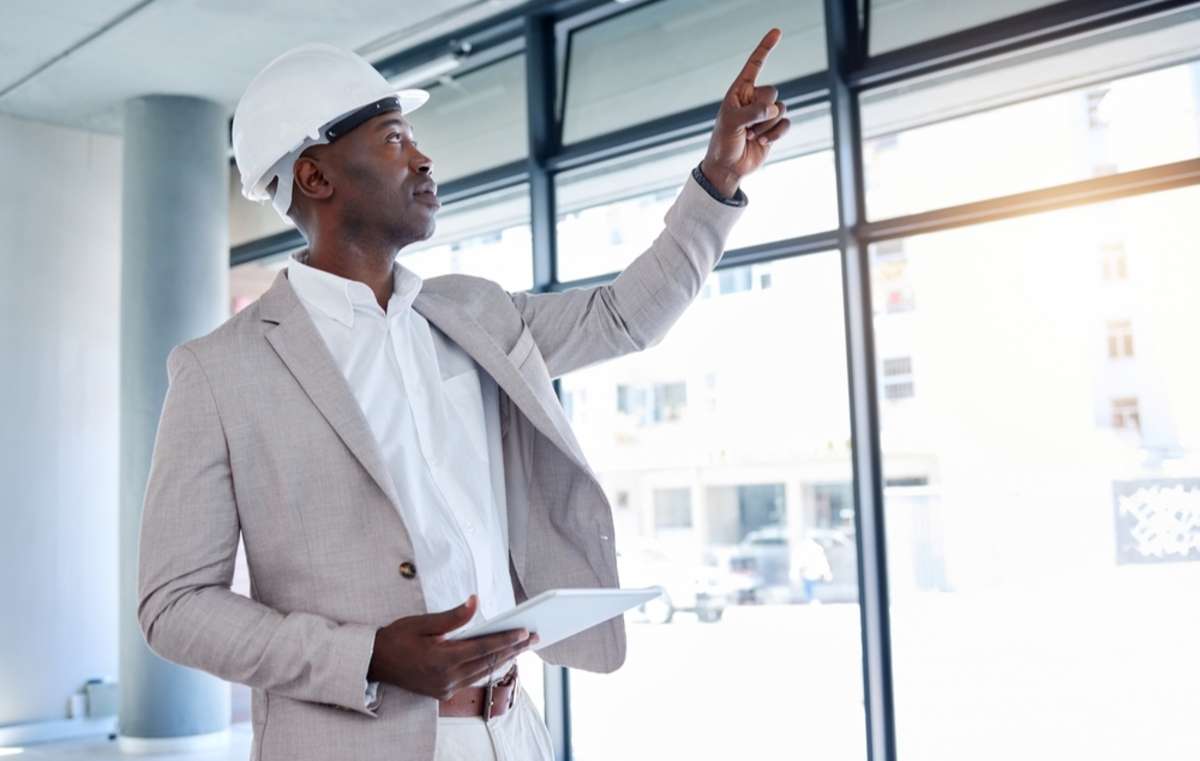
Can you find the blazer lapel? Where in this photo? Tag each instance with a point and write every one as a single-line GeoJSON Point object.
{"type": "Point", "coordinates": [296, 340]}
{"type": "Point", "coordinates": [476, 341]}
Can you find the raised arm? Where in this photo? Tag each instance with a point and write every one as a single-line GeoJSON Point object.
{"type": "Point", "coordinates": [581, 326]}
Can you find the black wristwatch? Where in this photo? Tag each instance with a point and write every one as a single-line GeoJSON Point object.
{"type": "Point", "coordinates": [739, 198]}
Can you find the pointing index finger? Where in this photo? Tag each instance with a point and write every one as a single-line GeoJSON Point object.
{"type": "Point", "coordinates": [759, 56]}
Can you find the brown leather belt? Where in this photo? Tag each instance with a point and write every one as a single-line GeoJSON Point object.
{"type": "Point", "coordinates": [500, 695]}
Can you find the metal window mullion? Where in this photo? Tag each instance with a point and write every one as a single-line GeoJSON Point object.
{"type": "Point", "coordinates": [541, 83]}
{"type": "Point", "coordinates": [846, 54]}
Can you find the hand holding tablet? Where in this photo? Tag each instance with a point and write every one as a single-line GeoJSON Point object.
{"type": "Point", "coordinates": [557, 614]}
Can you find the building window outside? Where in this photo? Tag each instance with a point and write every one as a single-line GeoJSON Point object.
{"type": "Point", "coordinates": [652, 403]}
{"type": "Point", "coordinates": [1125, 414]}
{"type": "Point", "coordinates": [670, 401]}
{"type": "Point", "coordinates": [898, 378]}
{"type": "Point", "coordinates": [672, 509]}
{"type": "Point", "coordinates": [890, 280]}
{"type": "Point", "coordinates": [1120, 339]}
{"type": "Point", "coordinates": [1114, 261]}
{"type": "Point", "coordinates": [897, 391]}
{"type": "Point", "coordinates": [631, 403]}
{"type": "Point", "coordinates": [734, 280]}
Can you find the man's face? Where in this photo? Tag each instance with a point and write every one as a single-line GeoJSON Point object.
{"type": "Point", "coordinates": [382, 184]}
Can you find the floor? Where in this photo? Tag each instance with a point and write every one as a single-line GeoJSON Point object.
{"type": "Point", "coordinates": [104, 750]}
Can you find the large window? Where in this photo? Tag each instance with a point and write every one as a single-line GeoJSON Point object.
{"type": "Point", "coordinates": [474, 121]}
{"type": "Point", "coordinates": [610, 212]}
{"type": "Point", "coordinates": [897, 23]}
{"type": "Point", "coordinates": [672, 55]}
{"type": "Point", "coordinates": [1046, 118]}
{"type": "Point", "coordinates": [719, 449]}
{"type": "Point", "coordinates": [1043, 576]}
{"type": "Point", "coordinates": [486, 236]}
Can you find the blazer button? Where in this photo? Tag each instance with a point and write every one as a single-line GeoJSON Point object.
{"type": "Point", "coordinates": [408, 570]}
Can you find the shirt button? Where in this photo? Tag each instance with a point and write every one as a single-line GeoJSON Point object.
{"type": "Point", "coordinates": [408, 570]}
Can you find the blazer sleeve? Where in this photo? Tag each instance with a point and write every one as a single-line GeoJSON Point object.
{"type": "Point", "coordinates": [581, 326]}
{"type": "Point", "coordinates": [187, 547]}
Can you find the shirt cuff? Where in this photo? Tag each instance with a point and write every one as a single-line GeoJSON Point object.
{"type": "Point", "coordinates": [739, 198]}
{"type": "Point", "coordinates": [370, 693]}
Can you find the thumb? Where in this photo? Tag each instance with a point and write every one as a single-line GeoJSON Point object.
{"type": "Point", "coordinates": [449, 620]}
{"type": "Point", "coordinates": [753, 114]}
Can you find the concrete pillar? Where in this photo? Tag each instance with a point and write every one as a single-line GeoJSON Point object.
{"type": "Point", "coordinates": [174, 287]}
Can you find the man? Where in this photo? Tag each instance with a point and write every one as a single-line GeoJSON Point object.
{"type": "Point", "coordinates": [390, 449]}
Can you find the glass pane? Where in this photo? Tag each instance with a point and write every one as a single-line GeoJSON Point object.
{"type": "Point", "coordinates": [897, 23]}
{"type": "Point", "coordinates": [247, 282]}
{"type": "Point", "coordinates": [1040, 120]}
{"type": "Point", "coordinates": [1041, 439]}
{"type": "Point", "coordinates": [726, 458]}
{"type": "Point", "coordinates": [474, 121]}
{"type": "Point", "coordinates": [611, 212]}
{"type": "Point", "coordinates": [673, 55]}
{"type": "Point", "coordinates": [250, 221]}
{"type": "Point", "coordinates": [487, 236]}
{"type": "Point", "coordinates": [532, 680]}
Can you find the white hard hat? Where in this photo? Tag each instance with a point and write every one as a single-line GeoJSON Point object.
{"type": "Point", "coordinates": [310, 95]}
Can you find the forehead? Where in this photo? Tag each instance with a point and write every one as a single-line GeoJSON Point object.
{"type": "Point", "coordinates": [388, 120]}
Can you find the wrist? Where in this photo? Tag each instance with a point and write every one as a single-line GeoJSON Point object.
{"type": "Point", "coordinates": [372, 664]}
{"type": "Point", "coordinates": [725, 182]}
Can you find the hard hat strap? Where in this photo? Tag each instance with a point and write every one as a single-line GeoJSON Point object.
{"type": "Point", "coordinates": [355, 118]}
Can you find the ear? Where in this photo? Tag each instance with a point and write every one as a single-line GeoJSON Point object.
{"type": "Point", "coordinates": [310, 179]}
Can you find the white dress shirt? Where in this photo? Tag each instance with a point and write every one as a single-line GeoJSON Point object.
{"type": "Point", "coordinates": [436, 419]}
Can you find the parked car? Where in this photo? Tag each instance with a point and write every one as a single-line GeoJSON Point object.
{"type": "Point", "coordinates": [702, 589]}
{"type": "Point", "coordinates": [762, 560]}
{"type": "Point", "coordinates": [769, 566]}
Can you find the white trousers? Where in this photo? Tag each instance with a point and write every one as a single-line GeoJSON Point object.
{"type": "Point", "coordinates": [519, 735]}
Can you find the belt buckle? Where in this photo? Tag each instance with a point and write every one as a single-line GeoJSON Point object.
{"type": "Point", "coordinates": [487, 701]}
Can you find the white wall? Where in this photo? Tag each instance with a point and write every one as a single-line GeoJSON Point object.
{"type": "Point", "coordinates": [60, 247]}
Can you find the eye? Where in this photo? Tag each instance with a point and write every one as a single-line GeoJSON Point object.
{"type": "Point", "coordinates": [399, 135]}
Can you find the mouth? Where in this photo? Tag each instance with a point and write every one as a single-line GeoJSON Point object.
{"type": "Point", "coordinates": [427, 196]}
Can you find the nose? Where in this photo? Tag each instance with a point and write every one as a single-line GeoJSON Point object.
{"type": "Point", "coordinates": [422, 163]}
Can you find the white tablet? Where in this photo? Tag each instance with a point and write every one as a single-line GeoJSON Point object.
{"type": "Point", "coordinates": [558, 613]}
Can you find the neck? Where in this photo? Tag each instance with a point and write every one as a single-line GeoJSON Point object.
{"type": "Point", "coordinates": [353, 260]}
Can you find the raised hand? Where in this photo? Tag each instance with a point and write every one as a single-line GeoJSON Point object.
{"type": "Point", "coordinates": [749, 121]}
{"type": "Point", "coordinates": [413, 652]}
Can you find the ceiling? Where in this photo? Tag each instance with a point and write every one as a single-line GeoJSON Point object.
{"type": "Point", "coordinates": [75, 62]}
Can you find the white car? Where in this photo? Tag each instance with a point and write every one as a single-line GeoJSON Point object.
{"type": "Point", "coordinates": [690, 587]}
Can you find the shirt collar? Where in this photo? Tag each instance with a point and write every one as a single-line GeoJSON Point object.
{"type": "Point", "coordinates": [338, 297]}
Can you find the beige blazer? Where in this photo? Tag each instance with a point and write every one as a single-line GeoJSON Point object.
{"type": "Point", "coordinates": [261, 435]}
